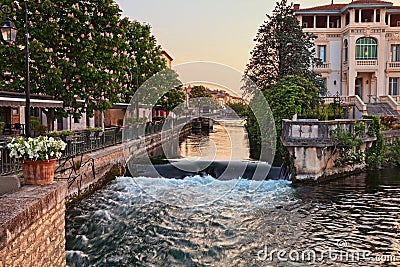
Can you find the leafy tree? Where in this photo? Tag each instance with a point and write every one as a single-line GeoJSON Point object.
{"type": "Point", "coordinates": [81, 52]}
{"type": "Point", "coordinates": [199, 91]}
{"type": "Point", "coordinates": [145, 56]}
{"type": "Point", "coordinates": [289, 96]}
{"type": "Point", "coordinates": [282, 49]}
{"type": "Point", "coordinates": [239, 108]}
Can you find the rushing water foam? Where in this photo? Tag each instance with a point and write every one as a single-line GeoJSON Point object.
{"type": "Point", "coordinates": [122, 225]}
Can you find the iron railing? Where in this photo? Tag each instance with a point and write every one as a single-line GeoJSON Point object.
{"type": "Point", "coordinates": [81, 142]}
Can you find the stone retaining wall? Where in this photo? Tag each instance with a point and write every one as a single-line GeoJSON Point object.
{"type": "Point", "coordinates": [32, 226]}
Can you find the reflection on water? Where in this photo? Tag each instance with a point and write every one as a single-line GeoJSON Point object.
{"type": "Point", "coordinates": [122, 226]}
{"type": "Point", "coordinates": [228, 141]}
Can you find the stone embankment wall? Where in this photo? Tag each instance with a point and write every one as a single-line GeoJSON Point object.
{"type": "Point", "coordinates": [312, 148]}
{"type": "Point", "coordinates": [32, 226]}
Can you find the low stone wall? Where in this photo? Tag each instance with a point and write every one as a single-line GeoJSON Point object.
{"type": "Point", "coordinates": [310, 144]}
{"type": "Point", "coordinates": [391, 135]}
{"type": "Point", "coordinates": [91, 171]}
{"type": "Point", "coordinates": [32, 226]}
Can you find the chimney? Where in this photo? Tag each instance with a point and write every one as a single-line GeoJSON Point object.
{"type": "Point", "coordinates": [296, 7]}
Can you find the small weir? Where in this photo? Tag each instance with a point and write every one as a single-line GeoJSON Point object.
{"type": "Point", "coordinates": [212, 217]}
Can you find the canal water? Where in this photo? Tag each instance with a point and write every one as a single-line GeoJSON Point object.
{"type": "Point", "coordinates": [350, 222]}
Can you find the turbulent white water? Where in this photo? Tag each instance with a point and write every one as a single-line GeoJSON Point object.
{"type": "Point", "coordinates": [124, 225]}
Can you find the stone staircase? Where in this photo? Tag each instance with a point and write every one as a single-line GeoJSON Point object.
{"type": "Point", "coordinates": [381, 109]}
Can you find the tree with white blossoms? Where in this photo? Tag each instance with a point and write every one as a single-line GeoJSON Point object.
{"type": "Point", "coordinates": [41, 148]}
{"type": "Point", "coordinates": [79, 50]}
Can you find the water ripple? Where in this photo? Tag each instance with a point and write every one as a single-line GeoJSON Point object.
{"type": "Point", "coordinates": [122, 226]}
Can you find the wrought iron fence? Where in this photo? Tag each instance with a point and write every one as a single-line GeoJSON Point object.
{"type": "Point", "coordinates": [81, 142]}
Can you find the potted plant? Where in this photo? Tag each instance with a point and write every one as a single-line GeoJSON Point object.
{"type": "Point", "coordinates": [66, 135]}
{"type": "Point", "coordinates": [38, 157]}
{"type": "Point", "coordinates": [53, 134]}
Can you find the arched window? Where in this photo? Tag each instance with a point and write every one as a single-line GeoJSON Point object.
{"type": "Point", "coordinates": [346, 50]}
{"type": "Point", "coordinates": [366, 49]}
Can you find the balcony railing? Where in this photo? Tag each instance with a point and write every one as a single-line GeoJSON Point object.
{"type": "Point", "coordinates": [367, 63]}
{"type": "Point", "coordinates": [396, 98]}
{"type": "Point", "coordinates": [322, 66]}
{"type": "Point", "coordinates": [393, 65]}
{"type": "Point", "coordinates": [318, 133]}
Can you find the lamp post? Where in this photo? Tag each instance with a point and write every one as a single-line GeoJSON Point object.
{"type": "Point", "coordinates": [27, 77]}
{"type": "Point", "coordinates": [9, 34]}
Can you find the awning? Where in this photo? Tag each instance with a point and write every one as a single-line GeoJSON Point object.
{"type": "Point", "coordinates": [38, 103]}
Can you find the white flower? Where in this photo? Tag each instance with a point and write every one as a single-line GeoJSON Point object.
{"type": "Point", "coordinates": [41, 148]}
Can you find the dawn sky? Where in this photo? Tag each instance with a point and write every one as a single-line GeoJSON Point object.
{"type": "Point", "coordinates": [220, 31]}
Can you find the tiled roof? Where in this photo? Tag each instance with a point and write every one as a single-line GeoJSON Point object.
{"type": "Point", "coordinates": [326, 7]}
{"type": "Point", "coordinates": [337, 7]}
{"type": "Point", "coordinates": [370, 2]}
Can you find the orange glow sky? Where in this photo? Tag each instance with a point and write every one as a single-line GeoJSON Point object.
{"type": "Point", "coordinates": [220, 31]}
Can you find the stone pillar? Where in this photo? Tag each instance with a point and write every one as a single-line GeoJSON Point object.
{"type": "Point", "coordinates": [352, 74]}
{"type": "Point", "coordinates": [352, 16]}
{"type": "Point", "coordinates": [381, 64]}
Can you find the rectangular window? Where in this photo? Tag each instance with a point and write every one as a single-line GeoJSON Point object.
{"type": "Point", "coordinates": [378, 16]}
{"type": "Point", "coordinates": [321, 50]}
{"type": "Point", "coordinates": [76, 120]}
{"type": "Point", "coordinates": [395, 53]}
{"type": "Point", "coordinates": [393, 86]}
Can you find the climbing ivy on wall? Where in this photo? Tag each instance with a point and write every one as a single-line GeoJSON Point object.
{"type": "Point", "coordinates": [347, 143]}
{"type": "Point", "coordinates": [374, 155]}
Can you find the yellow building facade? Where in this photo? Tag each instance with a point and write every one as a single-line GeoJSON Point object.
{"type": "Point", "coordinates": [358, 45]}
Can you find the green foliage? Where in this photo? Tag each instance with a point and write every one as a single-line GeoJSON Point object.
{"type": "Point", "coordinates": [80, 50]}
{"type": "Point", "coordinates": [392, 154]}
{"type": "Point", "coordinates": [172, 99]}
{"type": "Point", "coordinates": [282, 49]}
{"type": "Point", "coordinates": [53, 134]}
{"type": "Point", "coordinates": [239, 108]}
{"type": "Point", "coordinates": [67, 132]}
{"type": "Point", "coordinates": [387, 122]}
{"type": "Point", "coordinates": [374, 155]}
{"type": "Point", "coordinates": [158, 118]}
{"type": "Point", "coordinates": [199, 91]}
{"type": "Point", "coordinates": [37, 127]}
{"type": "Point", "coordinates": [254, 135]}
{"type": "Point", "coordinates": [347, 143]}
{"type": "Point", "coordinates": [330, 112]}
{"type": "Point", "coordinates": [290, 95]}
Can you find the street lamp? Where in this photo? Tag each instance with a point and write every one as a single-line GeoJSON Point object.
{"type": "Point", "coordinates": [8, 31]}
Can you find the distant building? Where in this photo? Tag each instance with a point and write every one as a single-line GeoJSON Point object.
{"type": "Point", "coordinates": [221, 94]}
{"type": "Point", "coordinates": [167, 58]}
{"type": "Point", "coordinates": [358, 45]}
